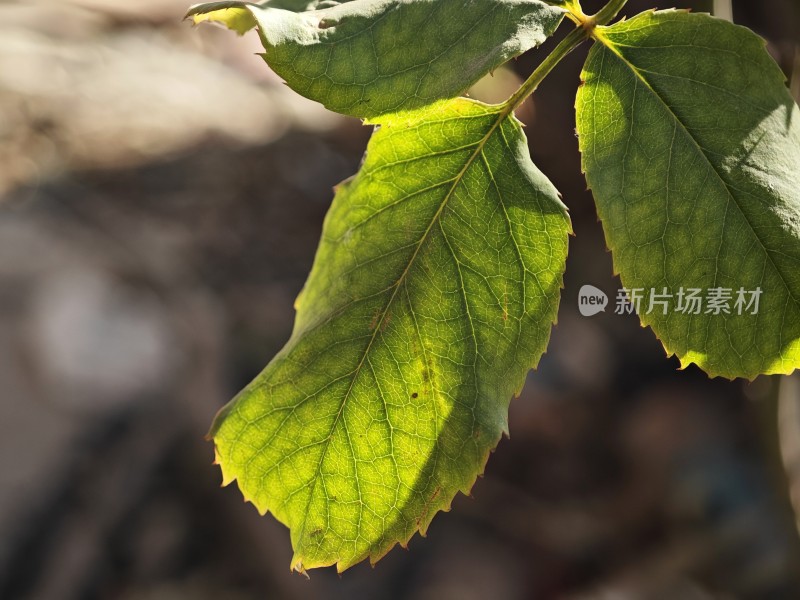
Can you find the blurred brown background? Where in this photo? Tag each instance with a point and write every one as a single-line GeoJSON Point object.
{"type": "Point", "coordinates": [161, 196]}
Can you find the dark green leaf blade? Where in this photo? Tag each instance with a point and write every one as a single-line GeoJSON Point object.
{"type": "Point", "coordinates": [370, 57]}
{"type": "Point", "coordinates": [691, 145]}
{"type": "Point", "coordinates": [432, 294]}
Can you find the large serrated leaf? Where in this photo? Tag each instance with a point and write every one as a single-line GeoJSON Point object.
{"type": "Point", "coordinates": [370, 57]}
{"type": "Point", "coordinates": [433, 292]}
{"type": "Point", "coordinates": [691, 145]}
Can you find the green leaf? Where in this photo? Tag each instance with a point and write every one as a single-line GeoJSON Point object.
{"type": "Point", "coordinates": [691, 145]}
{"type": "Point", "coordinates": [370, 57]}
{"type": "Point", "coordinates": [432, 294]}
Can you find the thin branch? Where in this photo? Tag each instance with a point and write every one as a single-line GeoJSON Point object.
{"type": "Point", "coordinates": [723, 10]}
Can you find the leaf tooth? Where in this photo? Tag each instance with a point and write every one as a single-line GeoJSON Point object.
{"type": "Point", "coordinates": [227, 477]}
{"type": "Point", "coordinates": [296, 566]}
{"type": "Point", "coordinates": [342, 566]}
{"type": "Point", "coordinates": [262, 510]}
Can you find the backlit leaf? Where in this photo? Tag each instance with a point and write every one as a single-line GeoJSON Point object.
{"type": "Point", "coordinates": [432, 294]}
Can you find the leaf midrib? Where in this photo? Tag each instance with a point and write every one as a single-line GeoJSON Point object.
{"type": "Point", "coordinates": [501, 116]}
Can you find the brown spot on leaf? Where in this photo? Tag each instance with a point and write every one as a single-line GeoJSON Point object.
{"type": "Point", "coordinates": [375, 317]}
{"type": "Point", "coordinates": [386, 319]}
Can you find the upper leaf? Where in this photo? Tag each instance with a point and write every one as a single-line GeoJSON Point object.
{"type": "Point", "coordinates": [691, 145]}
{"type": "Point", "coordinates": [370, 57]}
{"type": "Point", "coordinates": [432, 293]}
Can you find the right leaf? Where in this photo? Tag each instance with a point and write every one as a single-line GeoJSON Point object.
{"type": "Point", "coordinates": [691, 145]}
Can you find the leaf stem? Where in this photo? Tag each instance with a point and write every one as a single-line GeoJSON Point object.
{"type": "Point", "coordinates": [606, 14]}
{"type": "Point", "coordinates": [567, 45]}
{"type": "Point", "coordinates": [723, 9]}
{"type": "Point", "coordinates": [585, 27]}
